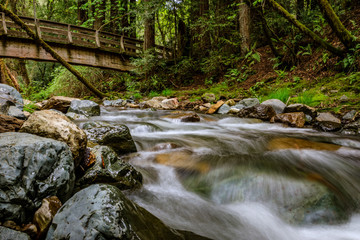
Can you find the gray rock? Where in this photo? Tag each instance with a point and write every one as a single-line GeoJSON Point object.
{"type": "Point", "coordinates": [276, 104]}
{"type": "Point", "coordinates": [16, 113]}
{"type": "Point", "coordinates": [224, 109]}
{"type": "Point", "coordinates": [84, 107]}
{"type": "Point", "coordinates": [75, 116]}
{"type": "Point", "coordinates": [263, 112]}
{"type": "Point", "coordinates": [351, 128]}
{"type": "Point", "coordinates": [6, 89]}
{"type": "Point", "coordinates": [350, 116]}
{"type": "Point", "coordinates": [327, 122]}
{"type": "Point", "coordinates": [9, 234]}
{"type": "Point", "coordinates": [117, 137]}
{"type": "Point", "coordinates": [103, 212]}
{"type": "Point", "coordinates": [32, 168]}
{"type": "Point", "coordinates": [114, 103]}
{"type": "Point", "coordinates": [344, 98]}
{"type": "Point", "coordinates": [298, 107]}
{"type": "Point", "coordinates": [110, 169]}
{"type": "Point", "coordinates": [208, 97]}
{"type": "Point", "coordinates": [247, 103]}
{"type": "Point", "coordinates": [6, 101]}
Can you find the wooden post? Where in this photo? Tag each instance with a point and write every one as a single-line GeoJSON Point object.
{"type": "Point", "coordinates": [37, 28]}
{"type": "Point", "coordinates": [69, 36]}
{"type": "Point", "coordinates": [122, 45]}
{"type": "Point", "coordinates": [4, 24]}
{"type": "Point", "coordinates": [97, 40]}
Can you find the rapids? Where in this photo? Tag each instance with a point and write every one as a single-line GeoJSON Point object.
{"type": "Point", "coordinates": [231, 178]}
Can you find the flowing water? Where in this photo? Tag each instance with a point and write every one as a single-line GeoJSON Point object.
{"type": "Point", "coordinates": [231, 178]}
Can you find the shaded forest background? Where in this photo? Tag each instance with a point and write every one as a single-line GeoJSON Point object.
{"type": "Point", "coordinates": [297, 50]}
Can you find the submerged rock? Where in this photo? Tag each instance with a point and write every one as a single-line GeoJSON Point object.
{"type": "Point", "coordinates": [52, 124]}
{"type": "Point", "coordinates": [297, 143]}
{"type": "Point", "coordinates": [84, 107]}
{"type": "Point", "coordinates": [117, 137]}
{"type": "Point", "coordinates": [103, 212]}
{"type": "Point", "coordinates": [110, 169]}
{"type": "Point", "coordinates": [259, 111]}
{"type": "Point", "coordinates": [184, 117]}
{"type": "Point", "coordinates": [31, 169]}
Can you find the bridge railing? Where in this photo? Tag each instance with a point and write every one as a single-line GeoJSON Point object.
{"type": "Point", "coordinates": [80, 36]}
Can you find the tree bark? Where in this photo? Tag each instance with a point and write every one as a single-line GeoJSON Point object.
{"type": "Point", "coordinates": [244, 26]}
{"type": "Point", "coordinates": [99, 13]}
{"type": "Point", "coordinates": [149, 32]}
{"type": "Point", "coordinates": [336, 25]}
{"type": "Point", "coordinates": [82, 13]}
{"type": "Point", "coordinates": [48, 49]}
{"type": "Point", "coordinates": [305, 30]}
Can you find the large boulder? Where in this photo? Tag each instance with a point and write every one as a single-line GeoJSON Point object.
{"type": "Point", "coordinates": [327, 122]}
{"type": "Point", "coordinates": [291, 119]}
{"type": "Point", "coordinates": [31, 169]}
{"type": "Point", "coordinates": [103, 212]}
{"type": "Point", "coordinates": [84, 107]}
{"type": "Point", "coordinates": [247, 103]}
{"type": "Point", "coordinates": [55, 125]}
{"type": "Point", "coordinates": [9, 124]}
{"type": "Point", "coordinates": [9, 234]}
{"type": "Point", "coordinates": [59, 103]}
{"type": "Point", "coordinates": [13, 94]}
{"type": "Point", "coordinates": [263, 112]}
{"type": "Point", "coordinates": [117, 137]}
{"type": "Point", "coordinates": [276, 104]}
{"type": "Point", "coordinates": [110, 169]}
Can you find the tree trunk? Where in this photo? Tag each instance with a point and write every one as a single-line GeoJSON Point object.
{"type": "Point", "coordinates": [305, 30]}
{"type": "Point", "coordinates": [149, 32]}
{"type": "Point", "coordinates": [23, 72]}
{"type": "Point", "coordinates": [132, 8]}
{"type": "Point", "coordinates": [82, 13]}
{"type": "Point", "coordinates": [341, 32]}
{"type": "Point", "coordinates": [48, 49]}
{"type": "Point", "coordinates": [244, 26]}
{"type": "Point", "coordinates": [99, 13]}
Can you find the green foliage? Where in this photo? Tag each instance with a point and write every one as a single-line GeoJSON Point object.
{"type": "Point", "coordinates": [282, 94]}
{"type": "Point", "coordinates": [31, 107]}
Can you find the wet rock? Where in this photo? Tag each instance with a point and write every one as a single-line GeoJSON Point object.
{"type": "Point", "coordinates": [171, 103]}
{"type": "Point", "coordinates": [75, 116]}
{"type": "Point", "coordinates": [151, 104]}
{"type": "Point", "coordinates": [32, 168]}
{"type": "Point", "coordinates": [291, 119]}
{"type": "Point", "coordinates": [230, 102]}
{"type": "Point", "coordinates": [57, 126]}
{"type": "Point", "coordinates": [247, 103]}
{"type": "Point", "coordinates": [15, 112]}
{"type": "Point", "coordinates": [224, 109]}
{"type": "Point", "coordinates": [208, 98]}
{"type": "Point", "coordinates": [301, 108]}
{"type": "Point", "coordinates": [6, 102]}
{"type": "Point", "coordinates": [114, 103]}
{"type": "Point", "coordinates": [103, 212]}
{"type": "Point", "coordinates": [9, 234]}
{"type": "Point", "coordinates": [9, 124]}
{"type": "Point", "coordinates": [351, 128]}
{"type": "Point", "coordinates": [13, 94]}
{"type": "Point", "coordinates": [59, 103]}
{"type": "Point", "coordinates": [182, 159]}
{"type": "Point", "coordinates": [327, 122]}
{"type": "Point", "coordinates": [276, 104]}
{"type": "Point", "coordinates": [215, 107]}
{"type": "Point", "coordinates": [84, 107]}
{"type": "Point", "coordinates": [350, 116]}
{"type": "Point", "coordinates": [45, 214]}
{"type": "Point", "coordinates": [31, 230]}
{"type": "Point", "coordinates": [12, 225]}
{"type": "Point", "coordinates": [297, 143]}
{"type": "Point", "coordinates": [132, 105]}
{"type": "Point", "coordinates": [234, 111]}
{"type": "Point", "coordinates": [164, 146]}
{"type": "Point", "coordinates": [117, 137]}
{"type": "Point", "coordinates": [110, 169]}
{"type": "Point", "coordinates": [203, 108]}
{"type": "Point", "coordinates": [263, 112]}
{"type": "Point", "coordinates": [184, 117]}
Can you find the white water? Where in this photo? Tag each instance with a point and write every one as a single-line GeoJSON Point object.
{"type": "Point", "coordinates": [252, 192]}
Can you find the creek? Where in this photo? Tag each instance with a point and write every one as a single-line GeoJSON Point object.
{"type": "Point", "coordinates": [231, 178]}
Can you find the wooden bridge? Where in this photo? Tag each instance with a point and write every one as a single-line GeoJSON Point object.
{"type": "Point", "coordinates": [77, 45]}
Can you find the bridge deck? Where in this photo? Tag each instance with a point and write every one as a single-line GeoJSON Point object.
{"type": "Point", "coordinates": [77, 45]}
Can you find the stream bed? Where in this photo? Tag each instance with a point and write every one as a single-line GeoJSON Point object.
{"type": "Point", "coordinates": [231, 178]}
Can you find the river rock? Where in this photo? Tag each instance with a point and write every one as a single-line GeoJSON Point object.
{"type": "Point", "coordinates": [114, 103]}
{"type": "Point", "coordinates": [291, 119]}
{"type": "Point", "coordinates": [263, 112]}
{"type": "Point", "coordinates": [215, 107]}
{"type": "Point", "coordinates": [234, 111]}
{"type": "Point", "coordinates": [351, 128]}
{"type": "Point", "coordinates": [152, 103]}
{"type": "Point", "coordinates": [350, 116]}
{"type": "Point", "coordinates": [224, 109]}
{"type": "Point", "coordinates": [51, 124]}
{"type": "Point", "coordinates": [327, 122]}
{"type": "Point", "coordinates": [75, 116]}
{"type": "Point", "coordinates": [276, 104]}
{"type": "Point", "coordinates": [247, 103]}
{"type": "Point", "coordinates": [184, 117]}
{"type": "Point", "coordinates": [45, 214]}
{"type": "Point", "coordinates": [32, 168]}
{"type": "Point", "coordinates": [15, 112]}
{"type": "Point", "coordinates": [298, 107]}
{"type": "Point", "coordinates": [84, 107]}
{"type": "Point", "coordinates": [15, 96]}
{"type": "Point", "coordinates": [110, 169]}
{"type": "Point", "coordinates": [10, 124]}
{"type": "Point", "coordinates": [6, 102]}
{"type": "Point", "coordinates": [103, 212]}
{"type": "Point", "coordinates": [171, 104]}
{"type": "Point", "coordinates": [117, 137]}
{"type": "Point", "coordinates": [9, 234]}
{"type": "Point", "coordinates": [59, 103]}
{"type": "Point", "coordinates": [208, 97]}
{"type": "Point", "coordinates": [230, 102]}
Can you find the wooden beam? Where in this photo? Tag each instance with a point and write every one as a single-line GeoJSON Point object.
{"type": "Point", "coordinates": [69, 36]}
{"type": "Point", "coordinates": [4, 24]}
